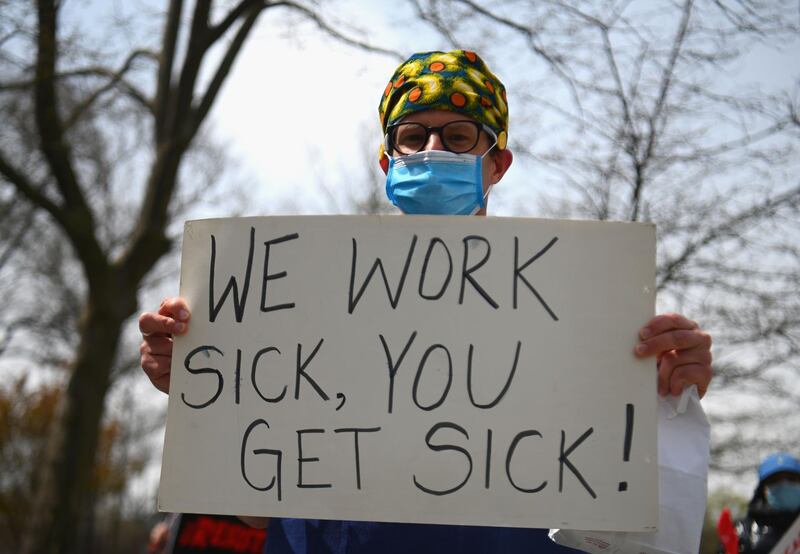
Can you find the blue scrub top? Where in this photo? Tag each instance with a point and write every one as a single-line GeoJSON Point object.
{"type": "Point", "coordinates": [314, 536]}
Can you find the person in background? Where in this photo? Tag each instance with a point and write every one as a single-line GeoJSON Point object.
{"type": "Point", "coordinates": [774, 507]}
{"type": "Point", "coordinates": [445, 120]}
{"type": "Point", "coordinates": [159, 538]}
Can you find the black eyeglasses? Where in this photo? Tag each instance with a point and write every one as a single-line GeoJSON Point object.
{"type": "Point", "coordinates": [457, 136]}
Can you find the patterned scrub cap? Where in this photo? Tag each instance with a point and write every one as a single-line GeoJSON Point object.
{"type": "Point", "coordinates": [457, 81]}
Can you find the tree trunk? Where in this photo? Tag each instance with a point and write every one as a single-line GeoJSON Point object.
{"type": "Point", "coordinates": [64, 488]}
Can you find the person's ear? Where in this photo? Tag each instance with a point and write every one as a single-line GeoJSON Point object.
{"type": "Point", "coordinates": [383, 159]}
{"type": "Point", "coordinates": [501, 162]}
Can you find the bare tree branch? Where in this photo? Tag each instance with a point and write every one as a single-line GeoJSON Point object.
{"type": "Point", "coordinates": [162, 100]}
{"type": "Point", "coordinates": [730, 146]}
{"type": "Point", "coordinates": [661, 100]}
{"type": "Point", "coordinates": [557, 65]}
{"type": "Point", "coordinates": [115, 79]}
{"type": "Point", "coordinates": [9, 36]}
{"type": "Point", "coordinates": [148, 241]}
{"type": "Point", "coordinates": [729, 227]}
{"type": "Point", "coordinates": [199, 113]}
{"type": "Point", "coordinates": [335, 33]}
{"type": "Point", "coordinates": [88, 71]}
{"type": "Point", "coordinates": [13, 242]}
{"type": "Point", "coordinates": [243, 7]}
{"type": "Point", "coordinates": [30, 190]}
{"type": "Point", "coordinates": [180, 101]}
{"type": "Point", "coordinates": [77, 218]}
{"type": "Point", "coordinates": [434, 19]}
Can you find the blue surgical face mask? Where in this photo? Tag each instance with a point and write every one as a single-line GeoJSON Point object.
{"type": "Point", "coordinates": [436, 182]}
{"type": "Point", "coordinates": [784, 496]}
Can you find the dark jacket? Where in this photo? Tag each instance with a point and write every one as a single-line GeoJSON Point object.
{"type": "Point", "coordinates": [762, 528]}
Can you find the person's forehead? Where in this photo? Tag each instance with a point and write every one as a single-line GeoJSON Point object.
{"type": "Point", "coordinates": [435, 117]}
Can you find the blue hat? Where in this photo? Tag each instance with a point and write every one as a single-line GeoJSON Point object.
{"type": "Point", "coordinates": [777, 462]}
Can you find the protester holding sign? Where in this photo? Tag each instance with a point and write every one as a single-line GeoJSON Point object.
{"type": "Point", "coordinates": [775, 506]}
{"type": "Point", "coordinates": [445, 119]}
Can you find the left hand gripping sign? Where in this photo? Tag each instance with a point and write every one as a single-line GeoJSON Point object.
{"type": "Point", "coordinates": [415, 369]}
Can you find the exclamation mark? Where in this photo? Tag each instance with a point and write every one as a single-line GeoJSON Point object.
{"type": "Point", "coordinates": [626, 452]}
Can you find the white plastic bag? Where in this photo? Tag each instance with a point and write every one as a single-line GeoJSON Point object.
{"type": "Point", "coordinates": [683, 452]}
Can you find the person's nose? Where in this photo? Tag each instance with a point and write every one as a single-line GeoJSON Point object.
{"type": "Point", "coordinates": [434, 142]}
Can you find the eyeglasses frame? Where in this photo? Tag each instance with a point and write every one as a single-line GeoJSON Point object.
{"type": "Point", "coordinates": [389, 146]}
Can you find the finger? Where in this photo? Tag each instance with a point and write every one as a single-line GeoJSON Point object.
{"type": "Point", "coordinates": [666, 322]}
{"type": "Point", "coordinates": [687, 375]}
{"type": "Point", "coordinates": [151, 323]}
{"type": "Point", "coordinates": [156, 344]}
{"type": "Point", "coordinates": [665, 368]}
{"type": "Point", "coordinates": [677, 370]}
{"type": "Point", "coordinates": [698, 355]}
{"type": "Point", "coordinates": [156, 366]}
{"type": "Point", "coordinates": [162, 383]}
{"type": "Point", "coordinates": [157, 369]}
{"type": "Point", "coordinates": [673, 340]}
{"type": "Point", "coordinates": [176, 308]}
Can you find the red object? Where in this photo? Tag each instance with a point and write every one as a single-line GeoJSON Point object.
{"type": "Point", "coordinates": [727, 533]}
{"type": "Point", "coordinates": [211, 534]}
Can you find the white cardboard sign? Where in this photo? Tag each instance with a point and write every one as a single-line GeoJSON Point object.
{"type": "Point", "coordinates": [456, 370]}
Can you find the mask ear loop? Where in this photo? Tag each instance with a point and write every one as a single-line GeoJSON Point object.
{"type": "Point", "coordinates": [482, 158]}
{"type": "Point", "coordinates": [483, 201]}
{"type": "Point", "coordinates": [386, 147]}
{"type": "Point", "coordinates": [384, 158]}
